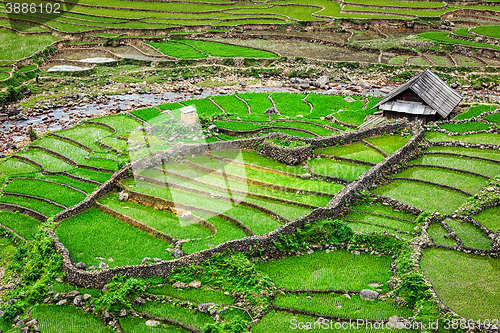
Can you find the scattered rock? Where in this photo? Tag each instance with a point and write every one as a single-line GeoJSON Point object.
{"type": "Point", "coordinates": [368, 294]}
{"type": "Point", "coordinates": [180, 285]}
{"type": "Point", "coordinates": [32, 323]}
{"type": "Point", "coordinates": [195, 284]}
{"type": "Point", "coordinates": [349, 99]}
{"type": "Point", "coordinates": [375, 284]}
{"type": "Point", "coordinates": [305, 176]}
{"type": "Point", "coordinates": [25, 330]}
{"type": "Point", "coordinates": [73, 294]}
{"type": "Point", "coordinates": [177, 253]}
{"type": "Point", "coordinates": [204, 307]}
{"type": "Point", "coordinates": [144, 260]}
{"type": "Point", "coordinates": [140, 300]}
{"type": "Point", "coordinates": [272, 110]}
{"type": "Point", "coordinates": [81, 265]}
{"type": "Point", "coordinates": [346, 296]}
{"type": "Point", "coordinates": [152, 323]}
{"type": "Point", "coordinates": [243, 83]}
{"type": "Point", "coordinates": [123, 313]}
{"type": "Point", "coordinates": [122, 196]}
{"type": "Point", "coordinates": [103, 265]}
{"type": "Point", "coordinates": [186, 215]}
{"type": "Point", "coordinates": [86, 297]}
{"type": "Point", "coordinates": [62, 302]}
{"type": "Point", "coordinates": [78, 301]}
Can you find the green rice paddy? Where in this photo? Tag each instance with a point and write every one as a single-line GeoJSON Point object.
{"type": "Point", "coordinates": [489, 218]}
{"type": "Point", "coordinates": [469, 284]}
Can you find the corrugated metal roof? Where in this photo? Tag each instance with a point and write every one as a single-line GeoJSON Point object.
{"type": "Point", "coordinates": [407, 107]}
{"type": "Point", "coordinates": [434, 91]}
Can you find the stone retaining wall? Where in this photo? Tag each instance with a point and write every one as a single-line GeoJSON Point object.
{"type": "Point", "coordinates": [285, 155]}
{"type": "Point", "coordinates": [96, 279]}
{"type": "Point", "coordinates": [23, 210]}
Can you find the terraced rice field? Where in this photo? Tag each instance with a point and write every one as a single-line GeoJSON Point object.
{"type": "Point", "coordinates": [461, 280]}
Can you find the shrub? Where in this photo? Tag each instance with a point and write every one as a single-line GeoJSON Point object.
{"type": "Point", "coordinates": [287, 142]}
{"type": "Point", "coordinates": [121, 292]}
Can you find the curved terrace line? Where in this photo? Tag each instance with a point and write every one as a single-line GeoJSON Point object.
{"type": "Point", "coordinates": [13, 231]}
{"type": "Point", "coordinates": [384, 215]}
{"type": "Point", "coordinates": [447, 168]}
{"type": "Point", "coordinates": [35, 197]}
{"type": "Point", "coordinates": [251, 194]}
{"type": "Point", "coordinates": [264, 210]}
{"type": "Point", "coordinates": [318, 315]}
{"type": "Point", "coordinates": [168, 203]}
{"type": "Point", "coordinates": [53, 182]}
{"type": "Point", "coordinates": [255, 182]}
{"type": "Point", "coordinates": [378, 225]}
{"type": "Point", "coordinates": [432, 183]}
{"type": "Point", "coordinates": [22, 210]}
{"type": "Point", "coordinates": [169, 321]}
{"type": "Point", "coordinates": [462, 155]}
{"type": "Point", "coordinates": [344, 159]}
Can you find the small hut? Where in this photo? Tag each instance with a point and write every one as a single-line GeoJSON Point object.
{"type": "Point", "coordinates": [188, 116]}
{"type": "Point", "coordinates": [424, 97]}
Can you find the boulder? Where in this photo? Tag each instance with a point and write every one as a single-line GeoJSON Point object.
{"type": "Point", "coordinates": [368, 294]}
{"type": "Point", "coordinates": [73, 294]}
{"type": "Point", "coordinates": [12, 112]}
{"type": "Point", "coordinates": [122, 196]}
{"type": "Point", "coordinates": [86, 297]}
{"type": "Point", "coordinates": [78, 301]}
{"type": "Point", "coordinates": [103, 265]}
{"type": "Point", "coordinates": [322, 80]}
{"type": "Point", "coordinates": [272, 110]}
{"type": "Point", "coordinates": [140, 300]}
{"type": "Point", "coordinates": [177, 253]}
{"type": "Point", "coordinates": [204, 307]}
{"type": "Point", "coordinates": [180, 285]}
{"type": "Point", "coordinates": [62, 302]}
{"type": "Point", "coordinates": [152, 323]}
{"type": "Point", "coordinates": [123, 313]}
{"type": "Point", "coordinates": [32, 323]}
{"type": "Point", "coordinates": [195, 284]}
{"type": "Point", "coordinates": [305, 176]}
{"type": "Point", "coordinates": [81, 265]}
{"type": "Point", "coordinates": [349, 99]}
{"type": "Point", "coordinates": [186, 215]}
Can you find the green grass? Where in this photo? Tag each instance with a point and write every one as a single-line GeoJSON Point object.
{"type": "Point", "coordinates": [102, 163]}
{"type": "Point", "coordinates": [90, 174]}
{"type": "Point", "coordinates": [490, 169]}
{"type": "Point", "coordinates": [67, 149]}
{"type": "Point", "coordinates": [161, 220]}
{"type": "Point", "coordinates": [178, 50]}
{"type": "Point", "coordinates": [232, 105]}
{"type": "Point", "coordinates": [382, 209]}
{"type": "Point", "coordinates": [483, 138]}
{"type": "Point", "coordinates": [310, 127]}
{"type": "Point", "coordinates": [89, 188]}
{"type": "Point", "coordinates": [226, 50]}
{"type": "Point", "coordinates": [146, 114]}
{"type": "Point", "coordinates": [5, 69]}
{"type": "Point", "coordinates": [465, 127]}
{"type": "Point", "coordinates": [4, 75]}
{"type": "Point", "coordinates": [258, 104]}
{"type": "Point", "coordinates": [28, 68]}
{"type": "Point", "coordinates": [352, 117]}
{"type": "Point", "coordinates": [463, 32]}
{"type": "Point", "coordinates": [440, 61]}
{"type": "Point", "coordinates": [339, 306]}
{"type": "Point", "coordinates": [418, 194]}
{"type": "Point", "coordinates": [466, 62]}
{"type": "Point", "coordinates": [50, 162]}
{"type": "Point", "coordinates": [94, 234]}
{"type": "Point", "coordinates": [357, 151]}
{"type": "Point", "coordinates": [122, 123]}
{"type": "Point", "coordinates": [399, 60]}
{"type": "Point", "coordinates": [389, 143]}
{"type": "Point", "coordinates": [193, 318]}
{"type": "Point", "coordinates": [39, 188]}
{"type": "Point", "coordinates": [495, 118]}
{"type": "Point", "coordinates": [466, 182]}
{"type": "Point", "coordinates": [290, 104]}
{"type": "Point", "coordinates": [13, 165]}
{"type": "Point", "coordinates": [23, 225]}
{"type": "Point", "coordinates": [445, 38]}
{"type": "Point", "coordinates": [40, 206]}
{"type": "Point", "coordinates": [204, 107]}
{"type": "Point", "coordinates": [399, 3]}
{"type": "Point", "coordinates": [87, 134]}
{"type": "Point", "coordinates": [340, 169]}
{"type": "Point", "coordinates": [475, 111]}
{"type": "Point", "coordinates": [380, 220]}
{"type": "Point", "coordinates": [470, 235]}
{"type": "Point", "coordinates": [486, 153]}
{"type": "Point", "coordinates": [324, 105]}
{"type": "Point", "coordinates": [292, 133]}
{"type": "Point", "coordinates": [489, 218]}
{"type": "Point", "coordinates": [58, 319]}
{"type": "Point", "coordinates": [192, 294]}
{"type": "Point", "coordinates": [25, 45]}
{"type": "Point", "coordinates": [273, 178]}
{"type": "Point", "coordinates": [469, 284]}
{"type": "Point", "coordinates": [489, 30]}
{"type": "Point", "coordinates": [438, 232]}
{"type": "Point", "coordinates": [335, 270]}
{"type": "Point", "coordinates": [138, 325]}
{"type": "Point", "coordinates": [226, 232]}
